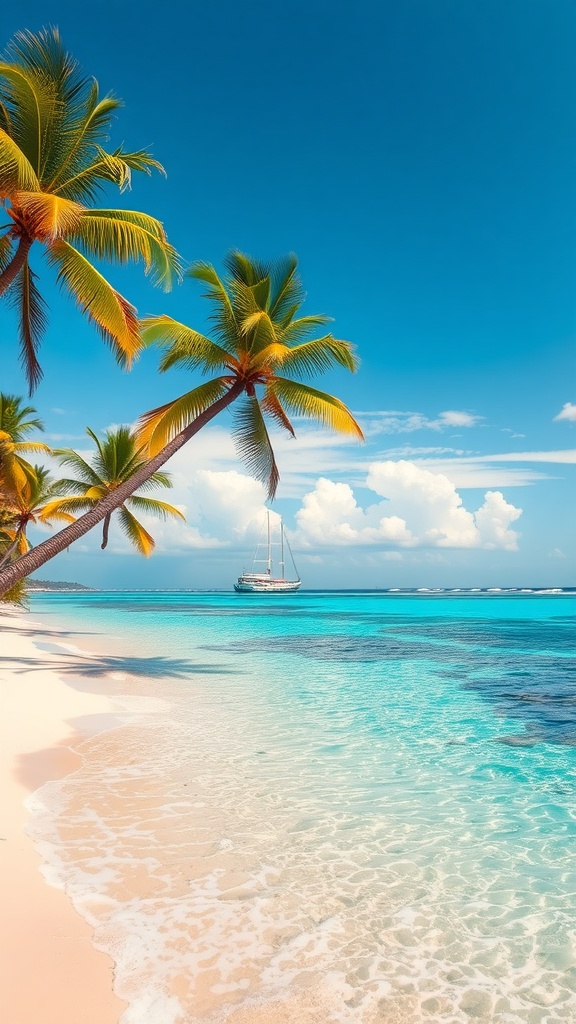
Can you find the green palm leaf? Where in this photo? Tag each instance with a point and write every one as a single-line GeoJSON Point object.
{"type": "Point", "coordinates": [32, 322]}
{"type": "Point", "coordinates": [114, 316]}
{"type": "Point", "coordinates": [71, 459]}
{"type": "Point", "coordinates": [253, 443]}
{"type": "Point", "coordinates": [16, 171]}
{"type": "Point", "coordinates": [223, 316]}
{"type": "Point", "coordinates": [186, 347]}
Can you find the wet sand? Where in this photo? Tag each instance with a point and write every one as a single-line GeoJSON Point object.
{"type": "Point", "coordinates": [51, 971]}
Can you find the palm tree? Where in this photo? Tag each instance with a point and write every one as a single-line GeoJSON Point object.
{"type": "Point", "coordinates": [116, 459]}
{"type": "Point", "coordinates": [53, 130]}
{"type": "Point", "coordinates": [258, 332]}
{"type": "Point", "coordinates": [16, 423]}
{"type": "Point", "coordinates": [30, 506]}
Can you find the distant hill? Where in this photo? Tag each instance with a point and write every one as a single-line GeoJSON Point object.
{"type": "Point", "coordinates": [34, 584]}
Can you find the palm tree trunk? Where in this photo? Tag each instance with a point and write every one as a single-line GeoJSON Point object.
{"type": "Point", "coordinates": [16, 263]}
{"type": "Point", "coordinates": [42, 553]}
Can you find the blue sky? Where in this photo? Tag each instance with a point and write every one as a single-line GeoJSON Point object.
{"type": "Point", "coordinates": [419, 156]}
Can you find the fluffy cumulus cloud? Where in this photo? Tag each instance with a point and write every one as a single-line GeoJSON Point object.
{"type": "Point", "coordinates": [221, 507]}
{"type": "Point", "coordinates": [567, 412]}
{"type": "Point", "coordinates": [419, 508]}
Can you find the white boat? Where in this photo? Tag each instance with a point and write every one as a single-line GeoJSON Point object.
{"type": "Point", "coordinates": [265, 582]}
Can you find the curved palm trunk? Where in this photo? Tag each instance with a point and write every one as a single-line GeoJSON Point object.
{"type": "Point", "coordinates": [16, 263]}
{"type": "Point", "coordinates": [31, 561]}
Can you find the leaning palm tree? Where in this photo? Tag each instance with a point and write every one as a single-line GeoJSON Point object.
{"type": "Point", "coordinates": [116, 459]}
{"type": "Point", "coordinates": [17, 421]}
{"type": "Point", "coordinates": [261, 347]}
{"type": "Point", "coordinates": [28, 508]}
{"type": "Point", "coordinates": [53, 164]}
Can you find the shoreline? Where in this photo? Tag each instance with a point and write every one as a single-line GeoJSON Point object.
{"type": "Point", "coordinates": [52, 971]}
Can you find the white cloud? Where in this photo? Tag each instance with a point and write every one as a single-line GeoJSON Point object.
{"type": "Point", "coordinates": [453, 418]}
{"type": "Point", "coordinates": [396, 422]}
{"type": "Point", "coordinates": [567, 412]}
{"type": "Point", "coordinates": [420, 509]}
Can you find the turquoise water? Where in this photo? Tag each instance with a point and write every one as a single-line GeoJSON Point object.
{"type": "Point", "coordinates": [361, 805]}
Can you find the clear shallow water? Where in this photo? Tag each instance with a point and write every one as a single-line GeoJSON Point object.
{"type": "Point", "coordinates": [360, 805]}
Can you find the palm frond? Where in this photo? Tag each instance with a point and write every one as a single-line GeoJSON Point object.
{"type": "Point", "coordinates": [223, 316]}
{"type": "Point", "coordinates": [287, 292]}
{"type": "Point", "coordinates": [316, 405]}
{"type": "Point", "coordinates": [68, 457]}
{"type": "Point", "coordinates": [90, 129]}
{"type": "Point", "coordinates": [33, 446]}
{"type": "Point", "coordinates": [135, 532]}
{"type": "Point", "coordinates": [32, 322]}
{"type": "Point", "coordinates": [124, 236]}
{"type": "Point", "coordinates": [186, 347]}
{"type": "Point", "coordinates": [16, 171]}
{"type": "Point", "coordinates": [253, 443]}
{"type": "Point", "coordinates": [114, 315]}
{"type": "Point", "coordinates": [68, 506]}
{"type": "Point", "coordinates": [153, 507]}
{"type": "Point", "coordinates": [272, 407]}
{"type": "Point", "coordinates": [313, 357]}
{"type": "Point", "coordinates": [157, 427]}
{"type": "Point", "coordinates": [48, 216]}
{"type": "Point", "coordinates": [296, 330]}
{"type": "Point", "coordinates": [13, 417]}
{"type": "Point", "coordinates": [6, 251]}
{"type": "Point", "coordinates": [245, 270]}
{"type": "Point", "coordinates": [31, 103]}
{"type": "Point", "coordinates": [259, 330]}
{"type": "Point", "coordinates": [54, 515]}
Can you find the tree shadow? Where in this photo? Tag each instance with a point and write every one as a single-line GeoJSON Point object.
{"type": "Point", "coordinates": [94, 666]}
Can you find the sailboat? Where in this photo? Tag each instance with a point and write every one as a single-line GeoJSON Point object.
{"type": "Point", "coordinates": [265, 582]}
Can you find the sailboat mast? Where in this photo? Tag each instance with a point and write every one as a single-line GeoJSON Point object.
{"type": "Point", "coordinates": [283, 573]}
{"type": "Point", "coordinates": [269, 545]}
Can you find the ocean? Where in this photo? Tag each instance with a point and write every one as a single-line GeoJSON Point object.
{"type": "Point", "coordinates": [349, 807]}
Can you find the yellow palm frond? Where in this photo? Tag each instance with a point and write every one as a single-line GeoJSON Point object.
{"type": "Point", "coordinates": [129, 236]}
{"type": "Point", "coordinates": [48, 216]}
{"type": "Point", "coordinates": [312, 357]}
{"type": "Point", "coordinates": [96, 492]}
{"type": "Point", "coordinates": [270, 356]}
{"type": "Point", "coordinates": [61, 507]}
{"type": "Point", "coordinates": [140, 538]}
{"type": "Point", "coordinates": [157, 427]}
{"type": "Point", "coordinates": [259, 328]}
{"type": "Point", "coordinates": [113, 314]}
{"type": "Point", "coordinates": [16, 171]}
{"type": "Point", "coordinates": [57, 515]}
{"type": "Point", "coordinates": [316, 405]}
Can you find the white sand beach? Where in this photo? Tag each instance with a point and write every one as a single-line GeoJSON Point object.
{"type": "Point", "coordinates": [51, 971]}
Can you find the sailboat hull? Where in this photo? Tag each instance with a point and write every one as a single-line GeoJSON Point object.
{"type": "Point", "coordinates": [266, 586]}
